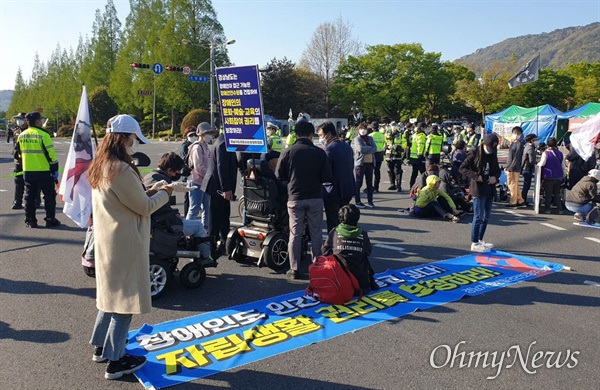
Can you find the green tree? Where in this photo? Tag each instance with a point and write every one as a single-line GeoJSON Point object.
{"type": "Point", "coordinates": [102, 106]}
{"type": "Point", "coordinates": [279, 88]}
{"type": "Point", "coordinates": [394, 80]}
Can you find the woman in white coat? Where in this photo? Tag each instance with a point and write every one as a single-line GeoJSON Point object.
{"type": "Point", "coordinates": [121, 210]}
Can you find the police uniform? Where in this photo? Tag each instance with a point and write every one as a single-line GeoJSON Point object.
{"type": "Point", "coordinates": [417, 155]}
{"type": "Point", "coordinates": [394, 153]}
{"type": "Point", "coordinates": [40, 166]}
{"type": "Point", "coordinates": [379, 139]}
{"type": "Point", "coordinates": [433, 148]}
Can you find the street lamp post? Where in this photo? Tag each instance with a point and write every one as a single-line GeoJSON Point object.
{"type": "Point", "coordinates": [212, 73]}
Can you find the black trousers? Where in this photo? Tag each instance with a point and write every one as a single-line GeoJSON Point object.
{"type": "Point", "coordinates": [32, 189]}
{"type": "Point", "coordinates": [218, 217]}
{"type": "Point", "coordinates": [418, 166]}
{"type": "Point", "coordinates": [377, 174]}
{"type": "Point", "coordinates": [395, 172]}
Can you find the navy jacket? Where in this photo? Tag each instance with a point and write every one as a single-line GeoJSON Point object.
{"type": "Point", "coordinates": [221, 174]}
{"type": "Point", "coordinates": [341, 159]}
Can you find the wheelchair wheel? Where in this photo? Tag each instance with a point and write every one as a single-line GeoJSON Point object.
{"type": "Point", "coordinates": [241, 207]}
{"type": "Point", "coordinates": [160, 277]}
{"type": "Point", "coordinates": [192, 275]}
{"type": "Point", "coordinates": [276, 255]}
{"type": "Point", "coordinates": [233, 243]}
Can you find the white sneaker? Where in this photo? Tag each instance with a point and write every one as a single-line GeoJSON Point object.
{"type": "Point", "coordinates": [486, 245]}
{"type": "Point", "coordinates": [477, 247]}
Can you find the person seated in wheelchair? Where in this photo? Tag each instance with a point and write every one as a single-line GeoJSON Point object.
{"type": "Point", "coordinates": [264, 194]}
{"type": "Point", "coordinates": [169, 170]}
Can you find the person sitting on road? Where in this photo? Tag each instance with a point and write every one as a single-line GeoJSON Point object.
{"type": "Point", "coordinates": [432, 201]}
{"type": "Point", "coordinates": [581, 197]}
{"type": "Point", "coordinates": [446, 185]}
{"type": "Point", "coordinates": [169, 169]}
{"type": "Point", "coordinates": [352, 243]}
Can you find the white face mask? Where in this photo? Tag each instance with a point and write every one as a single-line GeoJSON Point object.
{"type": "Point", "coordinates": [207, 138]}
{"type": "Point", "coordinates": [323, 141]}
{"type": "Point", "coordinates": [193, 138]}
{"type": "Point", "coordinates": [133, 148]}
{"type": "Point", "coordinates": [363, 132]}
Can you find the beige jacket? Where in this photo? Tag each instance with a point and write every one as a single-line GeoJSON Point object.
{"type": "Point", "coordinates": [121, 213]}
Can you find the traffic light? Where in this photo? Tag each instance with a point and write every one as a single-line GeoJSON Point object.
{"type": "Point", "coordinates": [140, 66]}
{"type": "Point", "coordinates": [175, 68]}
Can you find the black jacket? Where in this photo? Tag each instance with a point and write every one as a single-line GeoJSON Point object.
{"type": "Point", "coordinates": [221, 174]}
{"type": "Point", "coordinates": [305, 167]}
{"type": "Point", "coordinates": [478, 164]}
{"type": "Point", "coordinates": [165, 213]}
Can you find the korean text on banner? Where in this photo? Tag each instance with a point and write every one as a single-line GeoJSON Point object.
{"type": "Point", "coordinates": [75, 190]}
{"type": "Point", "coordinates": [241, 109]}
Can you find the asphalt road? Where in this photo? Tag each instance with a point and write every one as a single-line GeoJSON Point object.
{"type": "Point", "coordinates": [47, 307]}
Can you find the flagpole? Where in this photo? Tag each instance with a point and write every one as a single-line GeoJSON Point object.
{"type": "Point", "coordinates": [92, 121]}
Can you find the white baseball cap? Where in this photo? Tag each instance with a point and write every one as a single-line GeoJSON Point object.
{"type": "Point", "coordinates": [126, 124]}
{"type": "Point", "coordinates": [595, 173]}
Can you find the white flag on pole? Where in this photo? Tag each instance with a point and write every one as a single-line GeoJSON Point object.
{"type": "Point", "coordinates": [581, 138]}
{"type": "Point", "coordinates": [75, 190]}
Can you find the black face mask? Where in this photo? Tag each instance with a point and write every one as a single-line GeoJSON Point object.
{"type": "Point", "coordinates": [176, 177]}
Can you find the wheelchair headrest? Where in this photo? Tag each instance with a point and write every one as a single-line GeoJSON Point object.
{"type": "Point", "coordinates": [258, 166]}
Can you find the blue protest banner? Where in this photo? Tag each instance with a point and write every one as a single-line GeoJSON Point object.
{"type": "Point", "coordinates": [194, 347]}
{"type": "Point", "coordinates": [242, 109]}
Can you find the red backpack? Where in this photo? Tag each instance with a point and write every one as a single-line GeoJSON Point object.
{"type": "Point", "coordinates": [331, 280]}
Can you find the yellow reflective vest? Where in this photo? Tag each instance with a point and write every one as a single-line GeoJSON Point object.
{"type": "Point", "coordinates": [291, 138]}
{"type": "Point", "coordinates": [433, 145]}
{"type": "Point", "coordinates": [276, 143]}
{"type": "Point", "coordinates": [417, 149]}
{"type": "Point", "coordinates": [379, 139]}
{"type": "Point", "coordinates": [37, 151]}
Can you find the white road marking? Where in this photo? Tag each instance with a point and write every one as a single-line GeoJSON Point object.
{"type": "Point", "coordinates": [514, 213]}
{"type": "Point", "coordinates": [552, 226]}
{"type": "Point", "coordinates": [394, 248]}
{"type": "Point", "coordinates": [592, 283]}
{"type": "Point", "coordinates": [3, 190]}
{"type": "Point", "coordinates": [593, 239]}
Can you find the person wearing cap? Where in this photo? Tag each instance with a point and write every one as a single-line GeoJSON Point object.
{"type": "Point", "coordinates": [273, 135]}
{"type": "Point", "coordinates": [198, 162]}
{"type": "Point", "coordinates": [394, 153]}
{"type": "Point", "coordinates": [364, 148]}
{"type": "Point", "coordinates": [121, 207]}
{"type": "Point", "coordinates": [582, 196]}
{"type": "Point", "coordinates": [470, 136]}
{"type": "Point", "coordinates": [482, 169]}
{"type": "Point", "coordinates": [40, 169]}
{"type": "Point", "coordinates": [514, 165]}
{"type": "Point", "coordinates": [528, 165]}
{"type": "Point", "coordinates": [379, 139]}
{"type": "Point", "coordinates": [433, 146]}
{"type": "Point", "coordinates": [19, 182]}
{"type": "Point", "coordinates": [553, 174]}
{"type": "Point", "coordinates": [417, 153]}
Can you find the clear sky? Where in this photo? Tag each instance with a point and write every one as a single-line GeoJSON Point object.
{"type": "Point", "coordinates": [266, 29]}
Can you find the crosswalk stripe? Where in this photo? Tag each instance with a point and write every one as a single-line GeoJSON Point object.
{"type": "Point", "coordinates": [552, 226]}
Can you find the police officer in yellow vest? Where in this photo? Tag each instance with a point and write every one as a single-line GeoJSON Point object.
{"type": "Point", "coordinates": [276, 140]}
{"type": "Point", "coordinates": [407, 140]}
{"type": "Point", "coordinates": [471, 137]}
{"type": "Point", "coordinates": [40, 169]}
{"type": "Point", "coordinates": [417, 153]}
{"type": "Point", "coordinates": [379, 139]}
{"type": "Point", "coordinates": [394, 153]}
{"type": "Point", "coordinates": [433, 146]}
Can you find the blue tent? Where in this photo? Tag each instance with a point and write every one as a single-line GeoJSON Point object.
{"type": "Point", "coordinates": [535, 120]}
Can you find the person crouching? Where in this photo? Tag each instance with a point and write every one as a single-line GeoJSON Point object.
{"type": "Point", "coordinates": [432, 201]}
